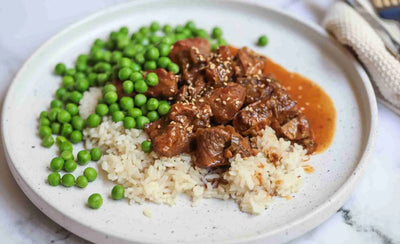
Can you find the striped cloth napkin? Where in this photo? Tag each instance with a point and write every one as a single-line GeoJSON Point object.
{"type": "Point", "coordinates": [350, 29]}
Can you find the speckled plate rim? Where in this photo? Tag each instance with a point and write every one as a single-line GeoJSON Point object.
{"type": "Point", "coordinates": [294, 228]}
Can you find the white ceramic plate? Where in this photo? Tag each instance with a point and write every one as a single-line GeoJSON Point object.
{"type": "Point", "coordinates": [296, 45]}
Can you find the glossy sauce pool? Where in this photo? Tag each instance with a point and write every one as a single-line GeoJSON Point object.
{"type": "Point", "coordinates": [312, 100]}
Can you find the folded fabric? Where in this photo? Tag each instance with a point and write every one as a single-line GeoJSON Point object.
{"type": "Point", "coordinates": [352, 30]}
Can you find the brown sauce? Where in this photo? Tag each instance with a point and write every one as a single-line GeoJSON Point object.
{"type": "Point", "coordinates": [312, 100]}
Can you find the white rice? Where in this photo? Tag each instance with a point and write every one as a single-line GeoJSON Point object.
{"type": "Point", "coordinates": [87, 105]}
{"type": "Point", "coordinates": [252, 182]}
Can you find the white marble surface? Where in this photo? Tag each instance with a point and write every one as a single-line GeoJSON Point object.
{"type": "Point", "coordinates": [371, 215]}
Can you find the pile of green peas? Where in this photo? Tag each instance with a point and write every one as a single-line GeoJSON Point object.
{"type": "Point", "coordinates": [125, 57]}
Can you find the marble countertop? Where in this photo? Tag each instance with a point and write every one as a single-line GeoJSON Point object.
{"type": "Point", "coordinates": [371, 215]}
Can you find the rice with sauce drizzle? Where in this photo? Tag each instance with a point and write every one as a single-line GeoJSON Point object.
{"type": "Point", "coordinates": [252, 182]}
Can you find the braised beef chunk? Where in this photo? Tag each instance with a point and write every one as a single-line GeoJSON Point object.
{"type": "Point", "coordinates": [215, 145]}
{"type": "Point", "coordinates": [248, 63]}
{"type": "Point", "coordinates": [219, 69]}
{"type": "Point", "coordinates": [180, 51]}
{"type": "Point", "coordinates": [173, 135]}
{"type": "Point", "coordinates": [169, 138]}
{"type": "Point", "coordinates": [167, 86]}
{"type": "Point", "coordinates": [278, 111]}
{"type": "Point", "coordinates": [214, 91]}
{"type": "Point", "coordinates": [225, 102]}
{"type": "Point", "coordinates": [258, 87]}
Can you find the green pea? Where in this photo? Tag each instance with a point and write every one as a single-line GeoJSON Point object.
{"type": "Point", "coordinates": [164, 49]}
{"type": "Point", "coordinates": [93, 120]}
{"type": "Point", "coordinates": [118, 192]}
{"type": "Point", "coordinates": [140, 99]}
{"type": "Point", "coordinates": [190, 25]}
{"type": "Point", "coordinates": [60, 92]}
{"type": "Point", "coordinates": [163, 108]}
{"type": "Point", "coordinates": [150, 65]}
{"type": "Point", "coordinates": [123, 42]}
{"type": "Point", "coordinates": [44, 122]}
{"type": "Point", "coordinates": [81, 181]}
{"type": "Point", "coordinates": [124, 30]}
{"type": "Point", "coordinates": [92, 78]}
{"type": "Point", "coordinates": [179, 29]}
{"type": "Point", "coordinates": [152, 104]}
{"type": "Point", "coordinates": [222, 41]}
{"type": "Point", "coordinates": [126, 103]}
{"type": "Point", "coordinates": [76, 136]}
{"type": "Point", "coordinates": [139, 58]}
{"type": "Point", "coordinates": [141, 86]}
{"type": "Point", "coordinates": [216, 32]}
{"type": "Point", "coordinates": [65, 97]}
{"type": "Point", "coordinates": [152, 79]}
{"type": "Point", "coordinates": [54, 179]}
{"type": "Point", "coordinates": [60, 69]}
{"type": "Point", "coordinates": [80, 66]}
{"type": "Point", "coordinates": [65, 146]}
{"type": "Point", "coordinates": [48, 141]}
{"type": "Point", "coordinates": [83, 157]}
{"type": "Point", "coordinates": [141, 122]}
{"type": "Point", "coordinates": [102, 109]}
{"type": "Point", "coordinates": [125, 62]}
{"type": "Point", "coordinates": [129, 51]}
{"type": "Point", "coordinates": [53, 114]}
{"type": "Point", "coordinates": [127, 87]}
{"type": "Point", "coordinates": [107, 56]}
{"type": "Point", "coordinates": [168, 39]}
{"type": "Point", "coordinates": [262, 41]}
{"type": "Point", "coordinates": [163, 62]}
{"type": "Point", "coordinates": [44, 115]}
{"type": "Point", "coordinates": [97, 55]}
{"type": "Point", "coordinates": [63, 116]}
{"type": "Point", "coordinates": [90, 173]}
{"type": "Point", "coordinates": [68, 180]}
{"type": "Point", "coordinates": [180, 36]}
{"type": "Point", "coordinates": [67, 155]}
{"type": "Point", "coordinates": [135, 67]}
{"type": "Point", "coordinates": [70, 166]}
{"type": "Point", "coordinates": [95, 154]}
{"type": "Point", "coordinates": [79, 75]}
{"type": "Point", "coordinates": [57, 164]}
{"type": "Point", "coordinates": [187, 32]}
{"type": "Point", "coordinates": [147, 146]}
{"type": "Point", "coordinates": [44, 131]}
{"type": "Point", "coordinates": [70, 72]}
{"type": "Point", "coordinates": [102, 78]}
{"type": "Point", "coordinates": [201, 33]}
{"type": "Point", "coordinates": [83, 58]}
{"type": "Point", "coordinates": [109, 87]}
{"type": "Point", "coordinates": [75, 97]}
{"type": "Point", "coordinates": [98, 42]}
{"type": "Point", "coordinates": [167, 29]}
{"type": "Point", "coordinates": [124, 73]}
{"type": "Point", "coordinates": [152, 54]}
{"type": "Point", "coordinates": [113, 107]}
{"type": "Point", "coordinates": [66, 129]}
{"type": "Point", "coordinates": [155, 39]}
{"type": "Point", "coordinates": [174, 68]}
{"type": "Point", "coordinates": [154, 26]}
{"type": "Point", "coordinates": [68, 82]}
{"type": "Point", "coordinates": [56, 104]}
{"type": "Point", "coordinates": [95, 201]}
{"type": "Point", "coordinates": [134, 112]}
{"type": "Point", "coordinates": [59, 140]}
{"type": "Point", "coordinates": [116, 57]}
{"type": "Point", "coordinates": [77, 123]}
{"type": "Point", "coordinates": [144, 109]}
{"type": "Point", "coordinates": [55, 127]}
{"type": "Point", "coordinates": [111, 97]}
{"type": "Point", "coordinates": [135, 76]}
{"type": "Point", "coordinates": [129, 122]}
{"type": "Point", "coordinates": [153, 116]}
{"type": "Point", "coordinates": [82, 84]}
{"type": "Point", "coordinates": [102, 67]}
{"type": "Point", "coordinates": [214, 47]}
{"type": "Point", "coordinates": [117, 116]}
{"type": "Point", "coordinates": [72, 109]}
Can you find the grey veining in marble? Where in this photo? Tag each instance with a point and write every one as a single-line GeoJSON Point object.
{"type": "Point", "coordinates": [371, 215]}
